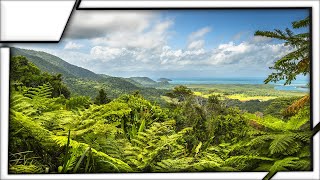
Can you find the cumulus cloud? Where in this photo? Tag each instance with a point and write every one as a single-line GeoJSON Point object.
{"type": "Point", "coordinates": [151, 37]}
{"type": "Point", "coordinates": [260, 39]}
{"type": "Point", "coordinates": [247, 54]}
{"type": "Point", "coordinates": [138, 42]}
{"type": "Point", "coordinates": [226, 59]}
{"type": "Point", "coordinates": [230, 56]}
{"type": "Point", "coordinates": [73, 45]}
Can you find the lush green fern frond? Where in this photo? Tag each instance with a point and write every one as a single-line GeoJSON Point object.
{"type": "Point", "coordinates": [110, 112]}
{"type": "Point", "coordinates": [245, 162]}
{"type": "Point", "coordinates": [284, 164]}
{"type": "Point", "coordinates": [205, 165]}
{"type": "Point", "coordinates": [281, 143]}
{"type": "Point", "coordinates": [44, 91]}
{"type": "Point", "coordinates": [144, 108]}
{"type": "Point", "coordinates": [263, 139]}
{"type": "Point", "coordinates": [78, 103]}
{"type": "Point", "coordinates": [297, 121]}
{"type": "Point", "coordinates": [25, 169]}
{"type": "Point", "coordinates": [30, 127]}
{"type": "Point", "coordinates": [303, 136]}
{"type": "Point", "coordinates": [303, 165]}
{"type": "Point", "coordinates": [147, 145]}
{"type": "Point", "coordinates": [174, 165]}
{"type": "Point", "coordinates": [278, 34]}
{"type": "Point", "coordinates": [305, 152]}
{"type": "Point", "coordinates": [207, 161]}
{"type": "Point", "coordinates": [78, 148]}
{"type": "Point", "coordinates": [19, 103]}
{"type": "Point", "coordinates": [58, 120]}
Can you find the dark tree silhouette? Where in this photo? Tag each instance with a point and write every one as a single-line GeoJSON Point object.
{"type": "Point", "coordinates": [102, 98]}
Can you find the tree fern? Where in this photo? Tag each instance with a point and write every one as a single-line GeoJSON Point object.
{"type": "Point", "coordinates": [147, 145]}
{"type": "Point", "coordinates": [174, 165]}
{"type": "Point", "coordinates": [286, 164]}
{"type": "Point", "coordinates": [19, 103]}
{"type": "Point", "coordinates": [281, 143]}
{"type": "Point", "coordinates": [43, 91]}
{"type": "Point", "coordinates": [245, 162]}
{"type": "Point", "coordinates": [78, 148]}
{"type": "Point", "coordinates": [25, 169]}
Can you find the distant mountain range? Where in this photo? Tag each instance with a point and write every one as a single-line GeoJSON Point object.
{"type": "Point", "coordinates": [85, 82]}
{"type": "Point", "coordinates": [143, 80]}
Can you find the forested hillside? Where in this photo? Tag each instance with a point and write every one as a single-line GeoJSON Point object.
{"type": "Point", "coordinates": [81, 81]}
{"type": "Point", "coordinates": [54, 65]}
{"type": "Point", "coordinates": [144, 80]}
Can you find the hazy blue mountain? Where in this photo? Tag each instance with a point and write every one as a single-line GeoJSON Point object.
{"type": "Point", "coordinates": [164, 79]}
{"type": "Point", "coordinates": [144, 80]}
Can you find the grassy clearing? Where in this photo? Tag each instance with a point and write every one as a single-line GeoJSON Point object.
{"type": "Point", "coordinates": [242, 92]}
{"type": "Point", "coordinates": [243, 97]}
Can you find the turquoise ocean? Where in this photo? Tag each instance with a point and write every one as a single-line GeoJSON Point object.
{"type": "Point", "coordinates": [297, 85]}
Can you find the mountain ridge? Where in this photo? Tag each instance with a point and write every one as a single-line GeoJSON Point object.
{"type": "Point", "coordinates": [85, 82]}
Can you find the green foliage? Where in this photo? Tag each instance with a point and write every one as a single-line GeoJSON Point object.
{"type": "Point", "coordinates": [43, 91]}
{"type": "Point", "coordinates": [77, 80]}
{"type": "Point", "coordinates": [298, 61]}
{"type": "Point", "coordinates": [78, 102]}
{"type": "Point", "coordinates": [49, 132]}
{"type": "Point", "coordinates": [23, 72]}
{"type": "Point", "coordinates": [101, 98]}
{"type": "Point", "coordinates": [25, 169]}
{"type": "Point", "coordinates": [287, 164]}
{"type": "Point", "coordinates": [131, 134]}
{"type": "Point", "coordinates": [180, 92]}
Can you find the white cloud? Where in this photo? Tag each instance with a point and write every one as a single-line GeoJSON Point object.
{"type": "Point", "coordinates": [73, 45]}
{"type": "Point", "coordinates": [261, 39]}
{"type": "Point", "coordinates": [151, 37]}
{"type": "Point", "coordinates": [229, 56]}
{"type": "Point", "coordinates": [196, 39]}
{"type": "Point", "coordinates": [225, 60]}
{"type": "Point", "coordinates": [199, 34]}
{"type": "Point", "coordinates": [196, 44]}
{"type": "Point", "coordinates": [138, 42]}
{"type": "Point", "coordinates": [248, 54]}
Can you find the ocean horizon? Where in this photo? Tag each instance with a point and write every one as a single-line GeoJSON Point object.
{"type": "Point", "coordinates": [300, 84]}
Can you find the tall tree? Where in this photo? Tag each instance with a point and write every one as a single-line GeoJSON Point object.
{"type": "Point", "coordinates": [180, 92]}
{"type": "Point", "coordinates": [296, 62]}
{"type": "Point", "coordinates": [102, 98]}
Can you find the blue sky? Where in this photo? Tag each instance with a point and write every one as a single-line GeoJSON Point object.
{"type": "Point", "coordinates": [174, 43]}
{"type": "Point", "coordinates": [229, 23]}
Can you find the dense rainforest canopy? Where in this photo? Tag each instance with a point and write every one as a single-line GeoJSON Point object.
{"type": "Point", "coordinates": [54, 131]}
